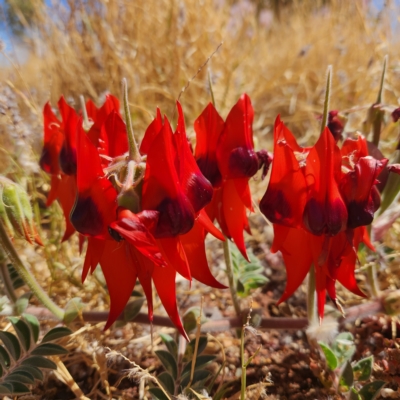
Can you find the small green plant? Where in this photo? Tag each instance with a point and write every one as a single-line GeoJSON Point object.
{"type": "Point", "coordinates": [350, 377]}
{"type": "Point", "coordinates": [181, 379]}
{"type": "Point", "coordinates": [247, 275]}
{"type": "Point", "coordinates": [22, 357]}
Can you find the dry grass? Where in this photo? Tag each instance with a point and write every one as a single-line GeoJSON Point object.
{"type": "Point", "coordinates": [158, 45]}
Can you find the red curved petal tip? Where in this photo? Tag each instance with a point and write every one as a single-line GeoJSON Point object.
{"type": "Point", "coordinates": [208, 127]}
{"type": "Point", "coordinates": [53, 140]}
{"type": "Point", "coordinates": [195, 186]}
{"type": "Point", "coordinates": [162, 190]}
{"type": "Point", "coordinates": [235, 153]}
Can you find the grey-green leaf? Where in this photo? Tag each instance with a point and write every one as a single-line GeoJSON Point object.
{"type": "Point", "coordinates": [4, 389]}
{"type": "Point", "coordinates": [371, 390]}
{"type": "Point", "coordinates": [39, 362]}
{"type": "Point", "coordinates": [158, 394]}
{"type": "Point", "coordinates": [22, 303]}
{"type": "Point", "coordinates": [330, 356]}
{"type": "Point", "coordinates": [170, 343]}
{"type": "Point", "coordinates": [11, 343]}
{"type": "Point", "coordinates": [56, 333]}
{"type": "Point", "coordinates": [49, 349]}
{"type": "Point", "coordinates": [34, 371]}
{"type": "Point", "coordinates": [363, 369]}
{"type": "Point", "coordinates": [4, 357]}
{"type": "Point", "coordinates": [33, 324]}
{"type": "Point", "coordinates": [354, 395]}
{"type": "Point", "coordinates": [167, 381]}
{"type": "Point", "coordinates": [168, 361]}
{"type": "Point", "coordinates": [72, 309]}
{"type": "Point", "coordinates": [201, 361]}
{"type": "Point", "coordinates": [132, 309]}
{"type": "Point", "coordinates": [23, 332]}
{"type": "Point", "coordinates": [198, 377]}
{"type": "Point", "coordinates": [17, 387]}
{"type": "Point", "coordinates": [347, 378]}
{"type": "Point", "coordinates": [190, 348]}
{"type": "Point", "coordinates": [20, 376]}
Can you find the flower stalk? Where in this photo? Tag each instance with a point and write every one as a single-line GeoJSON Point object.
{"type": "Point", "coordinates": [133, 147]}
{"type": "Point", "coordinates": [231, 279]}
{"type": "Point", "coordinates": [26, 276]}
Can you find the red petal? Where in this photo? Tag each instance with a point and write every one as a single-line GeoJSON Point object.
{"type": "Point", "coordinates": [115, 132]}
{"type": "Point", "coordinates": [100, 115]}
{"type": "Point", "coordinates": [196, 187]}
{"type": "Point", "coordinates": [296, 252]}
{"type": "Point", "coordinates": [53, 194]}
{"type": "Point", "coordinates": [285, 199]}
{"type": "Point", "coordinates": [174, 253]}
{"type": "Point", "coordinates": [120, 273]}
{"type": "Point", "coordinates": [207, 224]}
{"type": "Point", "coordinates": [325, 211]}
{"type": "Point", "coordinates": [161, 188]}
{"type": "Point", "coordinates": [208, 128]}
{"type": "Point", "coordinates": [137, 234]}
{"type": "Point", "coordinates": [236, 156]}
{"type": "Point", "coordinates": [66, 196]}
{"type": "Point", "coordinates": [234, 215]}
{"type": "Point", "coordinates": [164, 281]}
{"type": "Point", "coordinates": [96, 205]}
{"type": "Point", "coordinates": [352, 150]}
{"type": "Point", "coordinates": [70, 121]}
{"type": "Point", "coordinates": [359, 191]}
{"type": "Point", "coordinates": [63, 188]}
{"type": "Point", "coordinates": [151, 132]}
{"type": "Point", "coordinates": [193, 244]}
{"type": "Point", "coordinates": [94, 252]}
{"type": "Point", "coordinates": [53, 140]}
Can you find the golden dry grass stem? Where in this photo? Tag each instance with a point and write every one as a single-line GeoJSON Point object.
{"type": "Point", "coordinates": [64, 375]}
{"type": "Point", "coordinates": [158, 45]}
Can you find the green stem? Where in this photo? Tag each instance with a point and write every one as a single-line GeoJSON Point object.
{"type": "Point", "coordinates": [86, 123]}
{"type": "Point", "coordinates": [133, 148]}
{"type": "Point", "coordinates": [231, 280]}
{"type": "Point", "coordinates": [311, 304]}
{"type": "Point", "coordinates": [25, 274]}
{"type": "Point", "coordinates": [377, 113]}
{"type": "Point", "coordinates": [327, 97]}
{"type": "Point", "coordinates": [211, 88]}
{"type": "Point", "coordinates": [5, 277]}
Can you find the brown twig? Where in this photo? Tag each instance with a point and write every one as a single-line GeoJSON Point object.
{"type": "Point", "coordinates": [373, 307]}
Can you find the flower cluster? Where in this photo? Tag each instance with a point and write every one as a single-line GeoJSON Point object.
{"type": "Point", "coordinates": [143, 210]}
{"type": "Point", "coordinates": [319, 200]}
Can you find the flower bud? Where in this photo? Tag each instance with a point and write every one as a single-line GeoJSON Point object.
{"type": "Point", "coordinates": [16, 211]}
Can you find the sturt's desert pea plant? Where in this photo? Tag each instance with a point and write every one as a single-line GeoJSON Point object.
{"type": "Point", "coordinates": [158, 218]}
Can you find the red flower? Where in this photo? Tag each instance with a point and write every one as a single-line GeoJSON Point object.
{"type": "Point", "coordinates": [164, 234]}
{"type": "Point", "coordinates": [225, 154]}
{"type": "Point", "coordinates": [59, 150]}
{"type": "Point", "coordinates": [319, 199]}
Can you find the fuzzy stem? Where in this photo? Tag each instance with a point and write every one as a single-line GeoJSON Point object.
{"type": "Point", "coordinates": [25, 274]}
{"type": "Point", "coordinates": [378, 114]}
{"type": "Point", "coordinates": [5, 277]}
{"type": "Point", "coordinates": [311, 304]}
{"type": "Point", "coordinates": [327, 97]}
{"type": "Point", "coordinates": [231, 280]}
{"type": "Point", "coordinates": [86, 123]}
{"type": "Point", "coordinates": [133, 148]}
{"type": "Point", "coordinates": [211, 88]}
